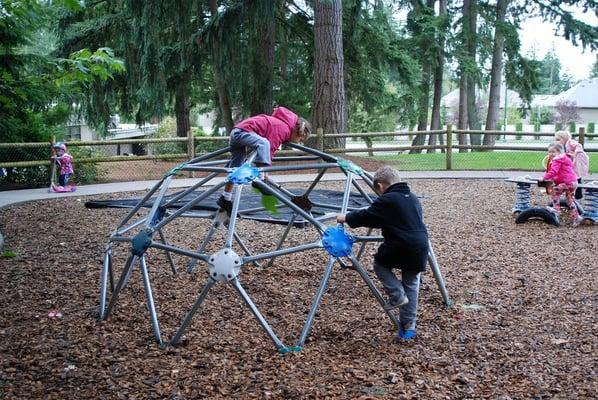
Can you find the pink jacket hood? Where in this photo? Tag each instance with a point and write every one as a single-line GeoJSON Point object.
{"type": "Point", "coordinates": [276, 128]}
{"type": "Point", "coordinates": [561, 170]}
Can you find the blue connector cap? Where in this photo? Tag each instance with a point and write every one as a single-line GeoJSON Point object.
{"type": "Point", "coordinates": [337, 242]}
{"type": "Point", "coordinates": [243, 175]}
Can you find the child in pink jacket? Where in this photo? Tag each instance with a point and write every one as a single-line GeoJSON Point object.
{"type": "Point", "coordinates": [561, 172]}
{"type": "Point", "coordinates": [264, 134]}
{"type": "Point", "coordinates": [64, 161]}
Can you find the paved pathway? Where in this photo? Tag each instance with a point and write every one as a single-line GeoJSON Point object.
{"type": "Point", "coordinates": [20, 196]}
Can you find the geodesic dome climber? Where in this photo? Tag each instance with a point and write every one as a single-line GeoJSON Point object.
{"type": "Point", "coordinates": [142, 229]}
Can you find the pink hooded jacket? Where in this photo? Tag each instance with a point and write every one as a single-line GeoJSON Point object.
{"type": "Point", "coordinates": [581, 162]}
{"type": "Point", "coordinates": [561, 170]}
{"type": "Point", "coordinates": [277, 128]}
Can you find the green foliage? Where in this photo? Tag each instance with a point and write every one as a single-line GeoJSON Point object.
{"type": "Point", "coordinates": [591, 127]}
{"type": "Point", "coordinates": [541, 115]}
{"type": "Point", "coordinates": [85, 172]}
{"type": "Point", "coordinates": [8, 253]}
{"type": "Point", "coordinates": [572, 127]}
{"type": "Point", "coordinates": [167, 129]}
{"type": "Point", "coordinates": [518, 128]}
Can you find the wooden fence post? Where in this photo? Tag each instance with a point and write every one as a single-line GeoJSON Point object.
{"type": "Point", "coordinates": [582, 135]}
{"type": "Point", "coordinates": [320, 137]}
{"type": "Point", "coordinates": [190, 149]}
{"type": "Point", "coordinates": [449, 147]}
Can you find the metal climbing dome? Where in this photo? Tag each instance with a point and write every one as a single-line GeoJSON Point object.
{"type": "Point", "coordinates": [142, 229]}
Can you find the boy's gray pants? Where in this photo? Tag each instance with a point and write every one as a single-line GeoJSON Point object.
{"type": "Point", "coordinates": [240, 140]}
{"type": "Point", "coordinates": [407, 286]}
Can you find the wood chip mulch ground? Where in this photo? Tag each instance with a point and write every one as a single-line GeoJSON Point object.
{"type": "Point", "coordinates": [523, 324]}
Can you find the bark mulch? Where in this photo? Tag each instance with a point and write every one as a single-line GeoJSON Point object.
{"type": "Point", "coordinates": [523, 324]}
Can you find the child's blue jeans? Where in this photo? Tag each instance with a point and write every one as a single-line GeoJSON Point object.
{"type": "Point", "coordinates": [240, 140]}
{"type": "Point", "coordinates": [408, 286]}
{"type": "Point", "coordinates": [63, 179]}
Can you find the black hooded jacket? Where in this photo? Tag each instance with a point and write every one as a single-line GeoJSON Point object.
{"type": "Point", "coordinates": [399, 214]}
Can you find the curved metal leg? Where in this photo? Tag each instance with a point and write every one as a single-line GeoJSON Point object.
{"type": "Point", "coordinates": [316, 302]}
{"type": "Point", "coordinates": [438, 276]}
{"type": "Point", "coordinates": [204, 292]}
{"type": "Point", "coordinates": [150, 300]}
{"type": "Point", "coordinates": [124, 277]}
{"type": "Point", "coordinates": [104, 280]}
{"type": "Point", "coordinates": [168, 255]}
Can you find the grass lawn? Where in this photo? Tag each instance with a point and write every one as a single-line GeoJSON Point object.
{"type": "Point", "coordinates": [503, 160]}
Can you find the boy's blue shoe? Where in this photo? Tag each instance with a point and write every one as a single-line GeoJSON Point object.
{"type": "Point", "coordinates": [406, 334]}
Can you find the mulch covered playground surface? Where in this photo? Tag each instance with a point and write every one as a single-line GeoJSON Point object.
{"type": "Point", "coordinates": [523, 324]}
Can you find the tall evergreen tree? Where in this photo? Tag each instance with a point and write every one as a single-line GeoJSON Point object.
{"type": "Point", "coordinates": [328, 100]}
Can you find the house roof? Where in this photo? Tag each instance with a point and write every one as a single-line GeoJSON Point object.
{"type": "Point", "coordinates": [451, 99]}
{"type": "Point", "coordinates": [584, 94]}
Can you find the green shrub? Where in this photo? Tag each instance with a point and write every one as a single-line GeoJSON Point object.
{"type": "Point", "coordinates": [591, 129]}
{"type": "Point", "coordinates": [518, 128]}
{"type": "Point", "coordinates": [537, 128]}
{"type": "Point", "coordinates": [572, 127]}
{"type": "Point", "coordinates": [167, 129]}
{"type": "Point", "coordinates": [84, 172]}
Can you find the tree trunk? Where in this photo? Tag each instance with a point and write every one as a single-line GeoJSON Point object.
{"type": "Point", "coordinates": [423, 106]}
{"type": "Point", "coordinates": [438, 75]}
{"type": "Point", "coordinates": [263, 59]}
{"type": "Point", "coordinates": [496, 73]}
{"type": "Point", "coordinates": [222, 90]}
{"type": "Point", "coordinates": [462, 123]}
{"type": "Point", "coordinates": [328, 98]}
{"type": "Point", "coordinates": [181, 105]}
{"type": "Point", "coordinates": [473, 120]}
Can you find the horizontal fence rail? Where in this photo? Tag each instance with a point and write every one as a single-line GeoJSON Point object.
{"type": "Point", "coordinates": [148, 158]}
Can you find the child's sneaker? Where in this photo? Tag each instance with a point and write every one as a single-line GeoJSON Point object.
{"type": "Point", "coordinates": [406, 334]}
{"type": "Point", "coordinates": [224, 204]}
{"type": "Point", "coordinates": [395, 302]}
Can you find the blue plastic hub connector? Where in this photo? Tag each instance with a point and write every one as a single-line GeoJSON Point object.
{"type": "Point", "coordinates": [141, 242]}
{"type": "Point", "coordinates": [243, 175]}
{"type": "Point", "coordinates": [337, 242]}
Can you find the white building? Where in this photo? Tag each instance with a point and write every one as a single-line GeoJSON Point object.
{"type": "Point", "coordinates": [584, 95]}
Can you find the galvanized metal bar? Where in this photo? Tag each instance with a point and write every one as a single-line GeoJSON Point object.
{"type": "Point", "coordinates": [210, 155]}
{"type": "Point", "coordinates": [190, 189]}
{"type": "Point", "coordinates": [132, 226]}
{"type": "Point", "coordinates": [104, 280]}
{"type": "Point", "coordinates": [319, 226]}
{"type": "Point", "coordinates": [124, 277]}
{"type": "Point", "coordinates": [141, 203]}
{"type": "Point", "coordinates": [347, 193]}
{"type": "Point", "coordinates": [150, 300]}
{"type": "Point", "coordinates": [438, 276]}
{"type": "Point", "coordinates": [187, 206]}
{"type": "Point", "coordinates": [368, 281]}
{"type": "Point", "coordinates": [245, 248]}
{"type": "Point", "coordinates": [283, 237]}
{"type": "Point", "coordinates": [150, 217]}
{"type": "Point", "coordinates": [235, 283]}
{"type": "Point", "coordinates": [317, 166]}
{"type": "Point", "coordinates": [233, 218]}
{"type": "Point", "coordinates": [204, 292]}
{"type": "Point", "coordinates": [278, 253]}
{"type": "Point", "coordinates": [368, 238]}
{"type": "Point", "coordinates": [206, 168]}
{"type": "Point", "coordinates": [326, 157]}
{"type": "Point", "coordinates": [193, 262]}
{"type": "Point", "coordinates": [362, 246]}
{"type": "Point", "coordinates": [177, 250]}
{"type": "Point", "coordinates": [316, 302]}
{"type": "Point", "coordinates": [170, 260]}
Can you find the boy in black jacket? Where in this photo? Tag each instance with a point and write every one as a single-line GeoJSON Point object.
{"type": "Point", "coordinates": [398, 213]}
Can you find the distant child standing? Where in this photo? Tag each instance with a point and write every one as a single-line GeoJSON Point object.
{"type": "Point", "coordinates": [574, 149]}
{"type": "Point", "coordinates": [263, 133]}
{"type": "Point", "coordinates": [565, 181]}
{"type": "Point", "coordinates": [64, 162]}
{"type": "Point", "coordinates": [398, 212]}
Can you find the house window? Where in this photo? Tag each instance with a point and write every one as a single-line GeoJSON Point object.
{"type": "Point", "coordinates": [73, 132]}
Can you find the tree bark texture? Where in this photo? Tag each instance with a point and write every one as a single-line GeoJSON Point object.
{"type": "Point", "coordinates": [181, 105]}
{"type": "Point", "coordinates": [423, 107]}
{"type": "Point", "coordinates": [473, 120]}
{"type": "Point", "coordinates": [496, 72]}
{"type": "Point", "coordinates": [221, 88]}
{"type": "Point", "coordinates": [438, 75]}
{"type": "Point", "coordinates": [328, 97]}
{"type": "Point", "coordinates": [263, 59]}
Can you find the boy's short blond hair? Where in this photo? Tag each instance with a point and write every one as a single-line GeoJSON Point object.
{"type": "Point", "coordinates": [562, 135]}
{"type": "Point", "coordinates": [387, 175]}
